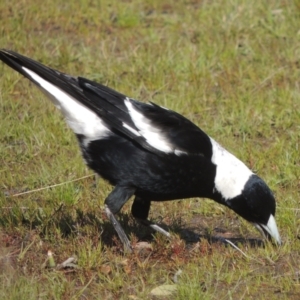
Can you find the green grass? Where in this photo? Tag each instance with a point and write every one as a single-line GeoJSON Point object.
{"type": "Point", "coordinates": [232, 67]}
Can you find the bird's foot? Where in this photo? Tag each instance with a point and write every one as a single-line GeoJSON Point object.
{"type": "Point", "coordinates": [155, 227]}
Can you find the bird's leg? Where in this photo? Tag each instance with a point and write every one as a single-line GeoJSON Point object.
{"type": "Point", "coordinates": [140, 210]}
{"type": "Point", "coordinates": [122, 235]}
{"type": "Point", "coordinates": [113, 203]}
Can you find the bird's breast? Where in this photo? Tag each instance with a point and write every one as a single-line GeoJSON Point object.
{"type": "Point", "coordinates": [166, 177]}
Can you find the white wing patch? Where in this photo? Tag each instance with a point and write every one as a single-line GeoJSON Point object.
{"type": "Point", "coordinates": [81, 119]}
{"type": "Point", "coordinates": [153, 135]}
{"type": "Point", "coordinates": [131, 129]}
{"type": "Point", "coordinates": [231, 173]}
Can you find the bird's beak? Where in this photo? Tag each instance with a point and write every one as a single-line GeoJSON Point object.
{"type": "Point", "coordinates": [270, 230]}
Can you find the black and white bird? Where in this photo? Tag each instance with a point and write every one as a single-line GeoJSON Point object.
{"type": "Point", "coordinates": [148, 151]}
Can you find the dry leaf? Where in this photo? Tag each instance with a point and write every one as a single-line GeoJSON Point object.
{"type": "Point", "coordinates": [143, 246]}
{"type": "Point", "coordinates": [105, 269]}
{"type": "Point", "coordinates": [164, 290]}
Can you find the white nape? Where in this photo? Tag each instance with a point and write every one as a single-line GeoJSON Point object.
{"type": "Point", "coordinates": [231, 173]}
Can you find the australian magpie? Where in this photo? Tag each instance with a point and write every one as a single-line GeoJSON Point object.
{"type": "Point", "coordinates": [150, 152]}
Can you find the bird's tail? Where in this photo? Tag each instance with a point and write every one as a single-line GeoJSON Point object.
{"type": "Point", "coordinates": [91, 109]}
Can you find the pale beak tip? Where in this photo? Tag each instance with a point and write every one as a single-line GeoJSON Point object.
{"type": "Point", "coordinates": [271, 229]}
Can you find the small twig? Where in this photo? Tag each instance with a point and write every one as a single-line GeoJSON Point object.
{"type": "Point", "coordinates": [175, 277]}
{"type": "Point", "coordinates": [11, 207]}
{"type": "Point", "coordinates": [296, 274]}
{"type": "Point", "coordinates": [51, 186]}
{"type": "Point", "coordinates": [237, 248]}
{"type": "Point", "coordinates": [264, 82]}
{"type": "Point", "coordinates": [69, 263]}
{"type": "Point", "coordinates": [288, 208]}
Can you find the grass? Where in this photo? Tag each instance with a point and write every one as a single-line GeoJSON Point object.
{"type": "Point", "coordinates": [230, 66]}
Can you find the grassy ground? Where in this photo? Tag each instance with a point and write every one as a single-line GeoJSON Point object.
{"type": "Point", "coordinates": [232, 67]}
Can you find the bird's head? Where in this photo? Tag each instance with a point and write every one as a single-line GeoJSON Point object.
{"type": "Point", "coordinates": [256, 204]}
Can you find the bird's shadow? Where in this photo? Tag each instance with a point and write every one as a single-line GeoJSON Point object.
{"type": "Point", "coordinates": [189, 234]}
{"type": "Point", "coordinates": [68, 226]}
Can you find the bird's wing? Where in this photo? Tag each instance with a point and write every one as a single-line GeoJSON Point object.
{"type": "Point", "coordinates": [163, 129]}
{"type": "Point", "coordinates": [150, 126]}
